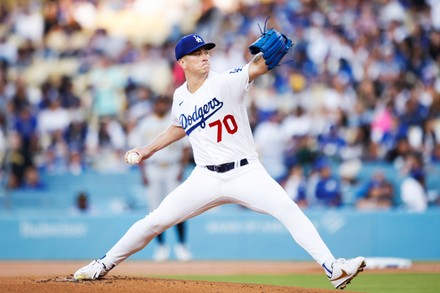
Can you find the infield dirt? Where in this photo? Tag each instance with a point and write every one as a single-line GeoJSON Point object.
{"type": "Point", "coordinates": [142, 276]}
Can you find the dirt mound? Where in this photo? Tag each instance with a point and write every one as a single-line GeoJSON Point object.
{"type": "Point", "coordinates": [136, 284]}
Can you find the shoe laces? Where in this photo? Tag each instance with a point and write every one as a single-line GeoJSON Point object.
{"type": "Point", "coordinates": [100, 265]}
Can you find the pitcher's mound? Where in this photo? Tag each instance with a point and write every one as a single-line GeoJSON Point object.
{"type": "Point", "coordinates": [136, 284]}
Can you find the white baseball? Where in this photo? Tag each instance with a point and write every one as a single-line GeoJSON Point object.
{"type": "Point", "coordinates": [133, 158]}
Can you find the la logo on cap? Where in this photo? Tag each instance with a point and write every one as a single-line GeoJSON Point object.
{"type": "Point", "coordinates": [198, 39]}
{"type": "Point", "coordinates": [189, 44]}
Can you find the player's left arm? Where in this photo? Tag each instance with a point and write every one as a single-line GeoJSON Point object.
{"type": "Point", "coordinates": [257, 67]}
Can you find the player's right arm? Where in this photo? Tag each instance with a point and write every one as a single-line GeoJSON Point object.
{"type": "Point", "coordinates": [172, 134]}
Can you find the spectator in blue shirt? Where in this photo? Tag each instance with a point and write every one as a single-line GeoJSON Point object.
{"type": "Point", "coordinates": [25, 124]}
{"type": "Point", "coordinates": [328, 187]}
{"type": "Point", "coordinates": [331, 143]}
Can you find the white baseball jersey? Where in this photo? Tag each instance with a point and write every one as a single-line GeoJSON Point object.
{"type": "Point", "coordinates": [215, 118]}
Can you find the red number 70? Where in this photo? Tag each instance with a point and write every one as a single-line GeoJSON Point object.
{"type": "Point", "coordinates": [229, 123]}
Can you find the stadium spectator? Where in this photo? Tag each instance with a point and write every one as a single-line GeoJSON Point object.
{"type": "Point", "coordinates": [377, 193]}
{"type": "Point", "coordinates": [296, 185]}
{"type": "Point", "coordinates": [82, 205]}
{"type": "Point", "coordinates": [350, 180]}
{"type": "Point", "coordinates": [68, 98]}
{"type": "Point", "coordinates": [76, 133]}
{"type": "Point", "coordinates": [331, 143]}
{"type": "Point", "coordinates": [435, 157]}
{"type": "Point", "coordinates": [297, 123]}
{"type": "Point", "coordinates": [107, 83]}
{"type": "Point", "coordinates": [430, 140]}
{"type": "Point", "coordinates": [399, 152]}
{"type": "Point", "coordinates": [270, 142]}
{"type": "Point", "coordinates": [17, 161]}
{"type": "Point", "coordinates": [20, 96]}
{"type": "Point", "coordinates": [52, 119]}
{"type": "Point", "coordinates": [327, 191]}
{"type": "Point", "coordinates": [82, 202]}
{"type": "Point", "coordinates": [56, 150]}
{"type": "Point", "coordinates": [25, 125]}
{"type": "Point", "coordinates": [413, 190]}
{"type": "Point", "coordinates": [32, 180]}
{"type": "Point", "coordinates": [28, 23]}
{"type": "Point", "coordinates": [106, 144]}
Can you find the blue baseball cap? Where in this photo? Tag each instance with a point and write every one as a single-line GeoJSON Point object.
{"type": "Point", "coordinates": [189, 44]}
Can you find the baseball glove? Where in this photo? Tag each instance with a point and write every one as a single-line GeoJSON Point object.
{"type": "Point", "coordinates": [274, 46]}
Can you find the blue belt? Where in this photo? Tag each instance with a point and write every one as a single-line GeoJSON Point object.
{"type": "Point", "coordinates": [226, 166]}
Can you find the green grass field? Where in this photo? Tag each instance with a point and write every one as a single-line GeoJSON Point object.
{"type": "Point", "coordinates": [367, 282]}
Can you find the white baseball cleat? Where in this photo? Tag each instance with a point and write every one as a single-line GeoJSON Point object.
{"type": "Point", "coordinates": [94, 270]}
{"type": "Point", "coordinates": [344, 270]}
{"type": "Point", "coordinates": [182, 253]}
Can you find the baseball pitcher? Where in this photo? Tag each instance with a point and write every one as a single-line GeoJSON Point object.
{"type": "Point", "coordinates": [209, 108]}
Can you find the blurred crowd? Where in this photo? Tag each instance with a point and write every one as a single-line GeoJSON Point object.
{"type": "Point", "coordinates": [360, 85]}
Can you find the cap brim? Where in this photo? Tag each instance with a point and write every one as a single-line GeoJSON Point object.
{"type": "Point", "coordinates": [207, 46]}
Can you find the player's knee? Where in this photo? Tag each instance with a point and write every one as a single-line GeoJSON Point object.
{"type": "Point", "coordinates": [157, 225]}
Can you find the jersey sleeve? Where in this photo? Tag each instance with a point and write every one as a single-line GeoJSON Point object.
{"type": "Point", "coordinates": [235, 83]}
{"type": "Point", "coordinates": [174, 120]}
{"type": "Point", "coordinates": [174, 115]}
